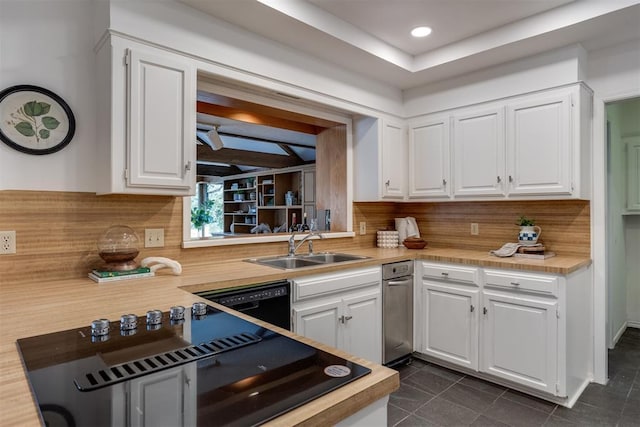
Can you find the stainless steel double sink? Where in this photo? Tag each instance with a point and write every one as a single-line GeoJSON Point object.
{"type": "Point", "coordinates": [287, 262]}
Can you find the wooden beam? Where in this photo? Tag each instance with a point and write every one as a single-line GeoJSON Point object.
{"type": "Point", "coordinates": [217, 170]}
{"type": "Point", "coordinates": [250, 107]}
{"type": "Point", "coordinates": [247, 158]}
{"type": "Point", "coordinates": [257, 117]}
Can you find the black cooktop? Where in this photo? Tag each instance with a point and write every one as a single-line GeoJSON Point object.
{"type": "Point", "coordinates": [211, 369]}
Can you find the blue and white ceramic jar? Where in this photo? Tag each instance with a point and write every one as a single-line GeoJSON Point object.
{"type": "Point", "coordinates": [529, 235]}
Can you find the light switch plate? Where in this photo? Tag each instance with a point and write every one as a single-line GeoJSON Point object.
{"type": "Point", "coordinates": [475, 230]}
{"type": "Point", "coordinates": [154, 238]}
{"type": "Point", "coordinates": [363, 228]}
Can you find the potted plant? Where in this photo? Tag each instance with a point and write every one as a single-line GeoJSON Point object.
{"type": "Point", "coordinates": [201, 215]}
{"type": "Point", "coordinates": [523, 221]}
{"type": "Point", "coordinates": [529, 231]}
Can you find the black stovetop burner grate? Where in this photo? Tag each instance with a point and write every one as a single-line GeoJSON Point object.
{"type": "Point", "coordinates": [159, 362]}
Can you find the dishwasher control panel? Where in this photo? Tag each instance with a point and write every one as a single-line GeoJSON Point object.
{"type": "Point", "coordinates": [397, 269]}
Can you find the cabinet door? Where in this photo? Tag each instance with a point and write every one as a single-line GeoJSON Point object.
{"type": "Point", "coordinates": [159, 399]}
{"type": "Point", "coordinates": [633, 172]}
{"type": "Point", "coordinates": [451, 323]}
{"type": "Point", "coordinates": [519, 339]}
{"type": "Point", "coordinates": [539, 146]}
{"type": "Point", "coordinates": [363, 325]}
{"type": "Point", "coordinates": [429, 158]}
{"type": "Point", "coordinates": [479, 149]}
{"type": "Point", "coordinates": [161, 127]}
{"type": "Point", "coordinates": [319, 321]}
{"type": "Point", "coordinates": [393, 160]}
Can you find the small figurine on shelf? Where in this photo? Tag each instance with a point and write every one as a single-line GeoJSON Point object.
{"type": "Point", "coordinates": [294, 225]}
{"type": "Point", "coordinates": [304, 227]}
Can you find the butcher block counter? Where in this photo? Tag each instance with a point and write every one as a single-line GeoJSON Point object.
{"type": "Point", "coordinates": [48, 306]}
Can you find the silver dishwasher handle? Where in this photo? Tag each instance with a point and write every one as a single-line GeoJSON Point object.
{"type": "Point", "coordinates": [399, 282]}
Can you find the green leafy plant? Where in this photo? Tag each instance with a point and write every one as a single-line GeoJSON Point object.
{"type": "Point", "coordinates": [523, 221]}
{"type": "Point", "coordinates": [201, 215]}
{"type": "Point", "coordinates": [27, 121]}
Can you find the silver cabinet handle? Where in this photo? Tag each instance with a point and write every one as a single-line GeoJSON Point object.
{"type": "Point", "coordinates": [399, 282]}
{"type": "Point", "coordinates": [472, 308]}
{"type": "Point", "coordinates": [498, 179]}
{"type": "Point", "coordinates": [484, 310]}
{"type": "Point", "coordinates": [444, 182]}
{"type": "Point", "coordinates": [187, 167]}
{"type": "Point", "coordinates": [445, 275]}
{"type": "Point", "coordinates": [510, 178]}
{"type": "Point", "coordinates": [388, 183]}
{"type": "Point", "coordinates": [515, 283]}
{"type": "Point", "coordinates": [343, 319]}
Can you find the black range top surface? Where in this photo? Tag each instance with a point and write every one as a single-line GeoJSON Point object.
{"type": "Point", "coordinates": [208, 369]}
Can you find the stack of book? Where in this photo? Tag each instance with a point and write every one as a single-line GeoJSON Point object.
{"type": "Point", "coordinates": [102, 276]}
{"type": "Point", "coordinates": [534, 252]}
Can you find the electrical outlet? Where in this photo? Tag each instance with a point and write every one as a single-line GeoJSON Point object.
{"type": "Point", "coordinates": [154, 238]}
{"type": "Point", "coordinates": [7, 242]}
{"type": "Point", "coordinates": [475, 230]}
{"type": "Point", "coordinates": [363, 228]}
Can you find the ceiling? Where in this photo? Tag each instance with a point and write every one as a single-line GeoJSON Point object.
{"type": "Point", "coordinates": [371, 37]}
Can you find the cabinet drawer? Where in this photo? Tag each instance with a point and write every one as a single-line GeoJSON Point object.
{"type": "Point", "coordinates": [324, 284]}
{"type": "Point", "coordinates": [524, 282]}
{"type": "Point", "coordinates": [450, 273]}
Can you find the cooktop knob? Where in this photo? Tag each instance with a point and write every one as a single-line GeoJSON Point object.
{"type": "Point", "coordinates": [128, 322]}
{"type": "Point", "coordinates": [199, 309]}
{"type": "Point", "coordinates": [154, 317]}
{"type": "Point", "coordinates": [100, 328]}
{"type": "Point", "coordinates": [176, 312]}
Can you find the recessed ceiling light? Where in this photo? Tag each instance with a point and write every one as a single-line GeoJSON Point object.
{"type": "Point", "coordinates": [421, 31]}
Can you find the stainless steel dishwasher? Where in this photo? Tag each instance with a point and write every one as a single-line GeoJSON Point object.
{"type": "Point", "coordinates": [397, 314]}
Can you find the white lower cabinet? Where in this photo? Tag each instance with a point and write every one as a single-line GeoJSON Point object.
{"type": "Point", "coordinates": [451, 323]}
{"type": "Point", "coordinates": [163, 398]}
{"type": "Point", "coordinates": [525, 330]}
{"type": "Point", "coordinates": [342, 310]}
{"type": "Point", "coordinates": [519, 339]}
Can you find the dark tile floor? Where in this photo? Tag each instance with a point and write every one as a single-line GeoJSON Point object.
{"type": "Point", "coordinates": [430, 395]}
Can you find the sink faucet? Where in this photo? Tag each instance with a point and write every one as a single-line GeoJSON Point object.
{"type": "Point", "coordinates": [292, 243]}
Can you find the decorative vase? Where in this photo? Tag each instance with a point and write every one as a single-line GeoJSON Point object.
{"type": "Point", "coordinates": [529, 235]}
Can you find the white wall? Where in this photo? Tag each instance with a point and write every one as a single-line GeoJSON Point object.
{"type": "Point", "coordinates": [49, 44]}
{"type": "Point", "coordinates": [616, 247]}
{"type": "Point", "coordinates": [630, 118]}
{"type": "Point", "coordinates": [549, 69]}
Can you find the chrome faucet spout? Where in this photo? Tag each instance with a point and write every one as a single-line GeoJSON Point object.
{"type": "Point", "coordinates": [292, 244]}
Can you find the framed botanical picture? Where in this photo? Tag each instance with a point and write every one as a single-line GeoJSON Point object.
{"type": "Point", "coordinates": [35, 120]}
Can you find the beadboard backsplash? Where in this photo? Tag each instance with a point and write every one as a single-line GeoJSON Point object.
{"type": "Point", "coordinates": [565, 224]}
{"type": "Point", "coordinates": [56, 232]}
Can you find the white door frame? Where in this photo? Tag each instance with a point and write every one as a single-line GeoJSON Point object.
{"type": "Point", "coordinates": [599, 218]}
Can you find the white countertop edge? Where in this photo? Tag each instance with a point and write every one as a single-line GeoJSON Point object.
{"type": "Point", "coordinates": [202, 243]}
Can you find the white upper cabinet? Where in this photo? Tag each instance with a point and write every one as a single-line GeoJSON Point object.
{"type": "Point", "coordinates": [478, 160]}
{"type": "Point", "coordinates": [429, 163]}
{"type": "Point", "coordinates": [393, 160]}
{"type": "Point", "coordinates": [148, 121]}
{"type": "Point", "coordinates": [533, 146]}
{"type": "Point", "coordinates": [539, 145]}
{"type": "Point", "coordinates": [380, 159]}
{"type": "Point", "coordinates": [161, 121]}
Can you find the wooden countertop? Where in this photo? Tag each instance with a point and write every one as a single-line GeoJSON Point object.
{"type": "Point", "coordinates": [47, 306]}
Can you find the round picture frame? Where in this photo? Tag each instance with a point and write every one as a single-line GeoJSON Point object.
{"type": "Point", "coordinates": [34, 120]}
